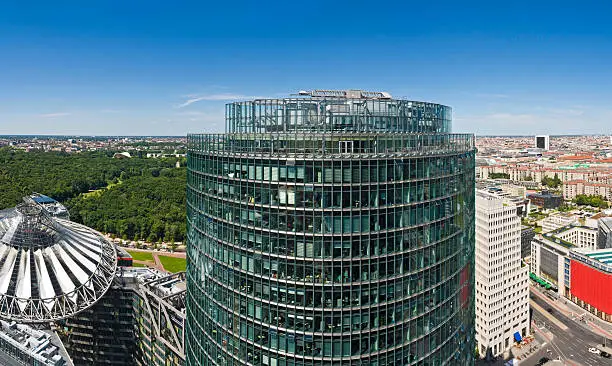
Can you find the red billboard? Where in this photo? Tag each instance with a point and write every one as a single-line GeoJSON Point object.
{"type": "Point", "coordinates": [591, 286]}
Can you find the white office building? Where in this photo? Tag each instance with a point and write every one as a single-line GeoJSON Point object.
{"type": "Point", "coordinates": [580, 236]}
{"type": "Point", "coordinates": [502, 289]}
{"type": "Point", "coordinates": [557, 221]}
{"type": "Point", "coordinates": [548, 259]}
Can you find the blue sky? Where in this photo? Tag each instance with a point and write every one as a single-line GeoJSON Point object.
{"type": "Point", "coordinates": [167, 68]}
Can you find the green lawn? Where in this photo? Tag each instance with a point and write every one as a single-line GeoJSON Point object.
{"type": "Point", "coordinates": [141, 256]}
{"type": "Point", "coordinates": [173, 264]}
{"type": "Point", "coordinates": [139, 265]}
{"type": "Point", "coordinates": [98, 192]}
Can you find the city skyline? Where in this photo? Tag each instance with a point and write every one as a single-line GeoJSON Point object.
{"type": "Point", "coordinates": [522, 69]}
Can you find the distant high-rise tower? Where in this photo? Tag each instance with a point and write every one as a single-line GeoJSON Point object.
{"type": "Point", "coordinates": [542, 142]}
{"type": "Point", "coordinates": [502, 288]}
{"type": "Point", "coordinates": [331, 228]}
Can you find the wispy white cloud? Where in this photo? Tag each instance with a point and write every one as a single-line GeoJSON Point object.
{"type": "Point", "coordinates": [54, 115]}
{"type": "Point", "coordinates": [194, 98]}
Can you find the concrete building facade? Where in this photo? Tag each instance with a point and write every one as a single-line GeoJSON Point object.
{"type": "Point", "coordinates": [548, 256]}
{"type": "Point", "coordinates": [502, 288]}
{"type": "Point", "coordinates": [527, 235]}
{"type": "Point", "coordinates": [546, 200]}
{"type": "Point", "coordinates": [604, 235]}
{"type": "Point", "coordinates": [574, 188]}
{"type": "Point", "coordinates": [556, 221]}
{"type": "Point", "coordinates": [580, 236]}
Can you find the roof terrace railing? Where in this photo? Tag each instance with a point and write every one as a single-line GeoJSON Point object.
{"type": "Point", "coordinates": [330, 145]}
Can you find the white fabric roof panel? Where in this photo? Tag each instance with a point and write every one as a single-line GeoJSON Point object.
{"type": "Point", "coordinates": [45, 285]}
{"type": "Point", "coordinates": [49, 265]}
{"type": "Point", "coordinates": [7, 270]}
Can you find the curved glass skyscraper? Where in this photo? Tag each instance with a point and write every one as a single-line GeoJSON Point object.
{"type": "Point", "coordinates": [331, 228]}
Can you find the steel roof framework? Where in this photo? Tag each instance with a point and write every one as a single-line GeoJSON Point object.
{"type": "Point", "coordinates": [50, 268]}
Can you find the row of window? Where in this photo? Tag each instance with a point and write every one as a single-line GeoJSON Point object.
{"type": "Point", "coordinates": [233, 351]}
{"type": "Point", "coordinates": [234, 330]}
{"type": "Point", "coordinates": [350, 247]}
{"type": "Point", "coordinates": [311, 222]}
{"type": "Point", "coordinates": [340, 272]}
{"type": "Point", "coordinates": [355, 198]}
{"type": "Point", "coordinates": [270, 115]}
{"type": "Point", "coordinates": [387, 303]}
{"type": "Point", "coordinates": [332, 171]}
{"type": "Point", "coordinates": [281, 265]}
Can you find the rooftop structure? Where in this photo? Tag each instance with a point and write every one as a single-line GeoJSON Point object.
{"type": "Point", "coordinates": [139, 321]}
{"type": "Point", "coordinates": [52, 207]}
{"type": "Point", "coordinates": [546, 199]}
{"type": "Point", "coordinates": [30, 346]}
{"type": "Point", "coordinates": [578, 235]}
{"type": "Point", "coordinates": [601, 258]}
{"type": "Point", "coordinates": [352, 111]}
{"type": "Point", "coordinates": [161, 330]}
{"type": "Point", "coordinates": [122, 155]}
{"type": "Point", "coordinates": [352, 94]}
{"type": "Point", "coordinates": [50, 268]}
{"type": "Point", "coordinates": [510, 194]}
{"type": "Point", "coordinates": [557, 220]}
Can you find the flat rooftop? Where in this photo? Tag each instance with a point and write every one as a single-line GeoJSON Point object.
{"type": "Point", "coordinates": [43, 347]}
{"type": "Point", "coordinates": [169, 286]}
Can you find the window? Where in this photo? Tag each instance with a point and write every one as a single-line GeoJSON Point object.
{"type": "Point", "coordinates": [345, 147]}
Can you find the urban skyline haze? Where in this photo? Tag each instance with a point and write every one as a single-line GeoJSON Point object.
{"type": "Point", "coordinates": [112, 68]}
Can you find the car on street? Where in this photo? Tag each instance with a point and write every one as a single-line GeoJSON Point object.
{"type": "Point", "coordinates": [594, 350]}
{"type": "Point", "coordinates": [605, 354]}
{"type": "Point", "coordinates": [542, 361]}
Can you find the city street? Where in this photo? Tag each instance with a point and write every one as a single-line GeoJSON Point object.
{"type": "Point", "coordinates": [570, 345]}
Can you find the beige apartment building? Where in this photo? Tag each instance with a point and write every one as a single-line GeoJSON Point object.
{"type": "Point", "coordinates": [573, 188]}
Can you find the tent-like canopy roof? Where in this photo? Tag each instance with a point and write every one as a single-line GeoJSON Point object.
{"type": "Point", "coordinates": [50, 268]}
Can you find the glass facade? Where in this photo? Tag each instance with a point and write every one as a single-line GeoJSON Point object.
{"type": "Point", "coordinates": [331, 231]}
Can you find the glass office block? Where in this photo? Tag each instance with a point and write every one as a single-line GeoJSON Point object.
{"type": "Point", "coordinates": [331, 231]}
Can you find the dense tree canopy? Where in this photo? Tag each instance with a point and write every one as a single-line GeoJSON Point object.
{"type": "Point", "coordinates": [554, 182]}
{"type": "Point", "coordinates": [145, 199]}
{"type": "Point", "coordinates": [63, 176]}
{"type": "Point", "coordinates": [594, 201]}
{"type": "Point", "coordinates": [147, 207]}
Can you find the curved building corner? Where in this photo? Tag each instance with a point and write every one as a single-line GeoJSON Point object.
{"type": "Point", "coordinates": [331, 228]}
